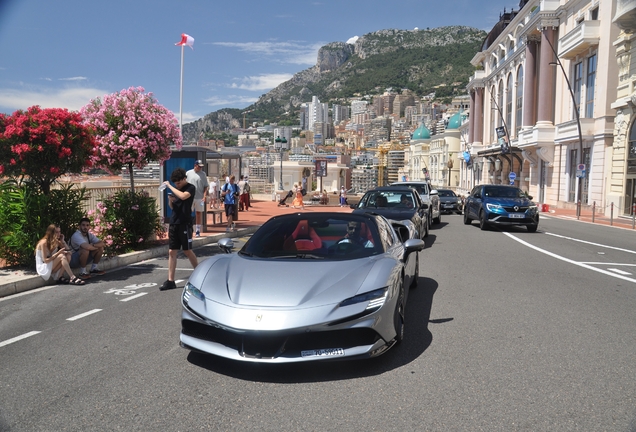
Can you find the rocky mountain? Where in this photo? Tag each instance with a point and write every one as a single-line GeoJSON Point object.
{"type": "Point", "coordinates": [420, 60]}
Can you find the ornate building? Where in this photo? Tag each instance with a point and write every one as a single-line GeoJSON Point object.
{"type": "Point", "coordinates": [541, 101]}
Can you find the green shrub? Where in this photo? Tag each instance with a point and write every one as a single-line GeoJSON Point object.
{"type": "Point", "coordinates": [126, 221]}
{"type": "Point", "coordinates": [25, 213]}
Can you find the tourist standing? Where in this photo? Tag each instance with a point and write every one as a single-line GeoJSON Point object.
{"type": "Point", "coordinates": [197, 177]}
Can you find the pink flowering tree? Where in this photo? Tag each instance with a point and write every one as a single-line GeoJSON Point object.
{"type": "Point", "coordinates": [132, 129]}
{"type": "Point", "coordinates": [43, 144]}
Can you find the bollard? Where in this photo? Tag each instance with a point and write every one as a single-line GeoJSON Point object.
{"type": "Point", "coordinates": [578, 210]}
{"type": "Point", "coordinates": [633, 215]}
{"type": "Point", "coordinates": [612, 214]}
{"type": "Point", "coordinates": [593, 211]}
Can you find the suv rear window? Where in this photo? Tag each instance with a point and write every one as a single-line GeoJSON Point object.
{"type": "Point", "coordinates": [422, 188]}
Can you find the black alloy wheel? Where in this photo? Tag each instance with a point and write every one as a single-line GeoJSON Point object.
{"type": "Point", "coordinates": [467, 220]}
{"type": "Point", "coordinates": [483, 224]}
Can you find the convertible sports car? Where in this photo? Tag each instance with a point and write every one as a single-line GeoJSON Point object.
{"type": "Point", "coordinates": [305, 287]}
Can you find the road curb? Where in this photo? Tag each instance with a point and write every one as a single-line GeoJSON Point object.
{"type": "Point", "coordinates": [31, 282]}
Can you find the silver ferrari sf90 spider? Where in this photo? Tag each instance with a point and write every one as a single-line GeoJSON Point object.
{"type": "Point", "coordinates": [305, 287]}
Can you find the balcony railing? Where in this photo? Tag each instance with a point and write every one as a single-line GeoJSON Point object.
{"type": "Point", "coordinates": [581, 38]}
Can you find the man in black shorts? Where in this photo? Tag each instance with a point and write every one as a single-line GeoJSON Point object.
{"type": "Point", "coordinates": [180, 230]}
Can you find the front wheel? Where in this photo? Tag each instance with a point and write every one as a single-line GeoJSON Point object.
{"type": "Point", "coordinates": [532, 228]}
{"type": "Point", "coordinates": [426, 228]}
{"type": "Point", "coordinates": [483, 224]}
{"type": "Point", "coordinates": [467, 220]}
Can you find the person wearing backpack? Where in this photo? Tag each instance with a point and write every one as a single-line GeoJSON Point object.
{"type": "Point", "coordinates": [230, 194]}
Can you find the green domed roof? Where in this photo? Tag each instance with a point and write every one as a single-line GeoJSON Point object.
{"type": "Point", "coordinates": [455, 121]}
{"type": "Point", "coordinates": [421, 133]}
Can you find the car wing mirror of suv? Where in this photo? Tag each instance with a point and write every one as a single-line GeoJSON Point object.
{"type": "Point", "coordinates": [424, 206]}
{"type": "Point", "coordinates": [434, 192]}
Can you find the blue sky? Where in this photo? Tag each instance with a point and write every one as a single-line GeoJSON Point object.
{"type": "Point", "coordinates": [64, 53]}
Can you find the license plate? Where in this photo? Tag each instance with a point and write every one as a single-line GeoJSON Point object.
{"type": "Point", "coordinates": [448, 206]}
{"type": "Point", "coordinates": [517, 215]}
{"type": "Point", "coordinates": [328, 352]}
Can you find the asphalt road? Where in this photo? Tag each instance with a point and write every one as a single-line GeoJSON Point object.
{"type": "Point", "coordinates": [507, 331]}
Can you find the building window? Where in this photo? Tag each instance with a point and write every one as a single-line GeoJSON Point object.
{"type": "Point", "coordinates": [589, 87]}
{"type": "Point", "coordinates": [573, 163]}
{"type": "Point", "coordinates": [519, 102]}
{"type": "Point", "coordinates": [587, 160]}
{"type": "Point", "coordinates": [500, 100]}
{"type": "Point", "coordinates": [594, 14]}
{"type": "Point", "coordinates": [631, 156]}
{"type": "Point", "coordinates": [494, 113]}
{"type": "Point", "coordinates": [509, 102]}
{"type": "Point", "coordinates": [577, 85]}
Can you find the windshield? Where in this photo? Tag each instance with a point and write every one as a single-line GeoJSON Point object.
{"type": "Point", "coordinates": [503, 192]}
{"type": "Point", "coordinates": [389, 200]}
{"type": "Point", "coordinates": [319, 236]}
{"type": "Point", "coordinates": [443, 193]}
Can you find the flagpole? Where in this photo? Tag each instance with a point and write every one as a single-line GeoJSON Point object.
{"type": "Point", "coordinates": [181, 97]}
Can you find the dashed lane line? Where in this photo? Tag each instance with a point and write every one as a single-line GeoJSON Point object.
{"type": "Point", "coordinates": [18, 338]}
{"type": "Point", "coordinates": [85, 314]}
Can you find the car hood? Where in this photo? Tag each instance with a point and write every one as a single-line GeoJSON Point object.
{"type": "Point", "coordinates": [508, 202]}
{"type": "Point", "coordinates": [236, 280]}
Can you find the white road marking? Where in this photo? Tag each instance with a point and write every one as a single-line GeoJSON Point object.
{"type": "Point", "coordinates": [178, 280]}
{"type": "Point", "coordinates": [606, 263]}
{"type": "Point", "coordinates": [17, 338]}
{"type": "Point", "coordinates": [619, 271]}
{"type": "Point", "coordinates": [76, 317]}
{"type": "Point", "coordinates": [140, 263]}
{"type": "Point", "coordinates": [134, 297]}
{"type": "Point", "coordinates": [593, 244]}
{"type": "Point", "coordinates": [569, 260]}
{"type": "Point", "coordinates": [13, 296]}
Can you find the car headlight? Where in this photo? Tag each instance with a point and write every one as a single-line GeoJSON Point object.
{"type": "Point", "coordinates": [191, 290]}
{"type": "Point", "coordinates": [493, 207]}
{"type": "Point", "coordinates": [376, 299]}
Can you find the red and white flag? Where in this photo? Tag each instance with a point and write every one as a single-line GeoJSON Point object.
{"type": "Point", "coordinates": [186, 40]}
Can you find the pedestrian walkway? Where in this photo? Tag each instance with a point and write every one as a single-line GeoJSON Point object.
{"type": "Point", "coordinates": [13, 281]}
{"type": "Point", "coordinates": [587, 216]}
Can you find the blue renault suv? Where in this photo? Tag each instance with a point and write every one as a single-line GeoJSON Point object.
{"type": "Point", "coordinates": [501, 205]}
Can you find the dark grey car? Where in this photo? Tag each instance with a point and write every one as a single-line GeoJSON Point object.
{"type": "Point", "coordinates": [449, 202]}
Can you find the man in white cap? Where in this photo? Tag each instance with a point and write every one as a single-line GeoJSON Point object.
{"type": "Point", "coordinates": [199, 179]}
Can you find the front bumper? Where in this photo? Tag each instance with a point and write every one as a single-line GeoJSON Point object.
{"type": "Point", "coordinates": [344, 339]}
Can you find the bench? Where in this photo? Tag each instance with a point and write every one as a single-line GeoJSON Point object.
{"type": "Point", "coordinates": [216, 212]}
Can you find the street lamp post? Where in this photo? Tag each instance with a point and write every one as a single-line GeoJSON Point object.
{"type": "Point", "coordinates": [281, 142]}
{"type": "Point", "coordinates": [579, 188]}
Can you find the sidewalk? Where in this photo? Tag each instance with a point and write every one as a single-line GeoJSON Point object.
{"type": "Point", "coordinates": [14, 281]}
{"type": "Point", "coordinates": [587, 217]}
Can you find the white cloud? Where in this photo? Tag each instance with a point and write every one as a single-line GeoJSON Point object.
{"type": "Point", "coordinates": [353, 40]}
{"type": "Point", "coordinates": [261, 82]}
{"type": "Point", "coordinates": [284, 52]}
{"type": "Point", "coordinates": [230, 101]}
{"type": "Point", "coordinates": [70, 98]}
{"type": "Point", "coordinates": [79, 78]}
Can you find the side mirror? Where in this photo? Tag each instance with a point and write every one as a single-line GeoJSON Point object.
{"type": "Point", "coordinates": [226, 245]}
{"type": "Point", "coordinates": [413, 245]}
{"type": "Point", "coordinates": [434, 192]}
{"type": "Point", "coordinates": [353, 206]}
{"type": "Point", "coordinates": [424, 206]}
{"type": "Point", "coordinates": [529, 197]}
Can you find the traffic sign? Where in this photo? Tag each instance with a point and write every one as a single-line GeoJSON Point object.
{"type": "Point", "coordinates": [512, 176]}
{"type": "Point", "coordinates": [580, 171]}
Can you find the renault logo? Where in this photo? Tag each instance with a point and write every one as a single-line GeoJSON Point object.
{"type": "Point", "coordinates": [516, 208]}
{"type": "Point", "coordinates": [259, 317]}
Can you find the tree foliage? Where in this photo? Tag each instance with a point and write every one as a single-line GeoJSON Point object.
{"type": "Point", "coordinates": [132, 129]}
{"type": "Point", "coordinates": [43, 144]}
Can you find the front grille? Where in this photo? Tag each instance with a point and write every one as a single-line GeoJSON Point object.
{"type": "Point", "coordinates": [274, 344]}
{"type": "Point", "coordinates": [520, 209]}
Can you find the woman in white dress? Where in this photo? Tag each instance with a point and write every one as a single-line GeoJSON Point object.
{"type": "Point", "coordinates": [51, 260]}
